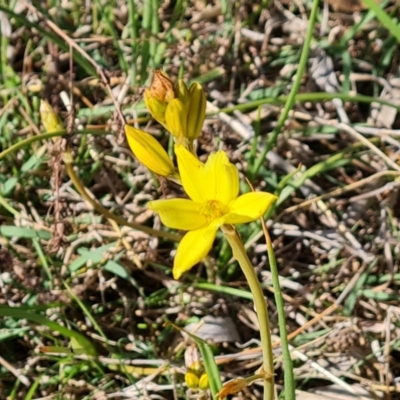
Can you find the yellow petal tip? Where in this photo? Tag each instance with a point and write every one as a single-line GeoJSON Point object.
{"type": "Point", "coordinates": [149, 151]}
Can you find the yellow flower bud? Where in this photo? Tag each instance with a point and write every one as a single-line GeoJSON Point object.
{"type": "Point", "coordinates": [181, 110]}
{"type": "Point", "coordinates": [49, 118]}
{"type": "Point", "coordinates": [182, 92]}
{"type": "Point", "coordinates": [196, 111]}
{"type": "Point", "coordinates": [149, 152]}
{"type": "Point", "coordinates": [158, 95]}
{"type": "Point", "coordinates": [176, 118]}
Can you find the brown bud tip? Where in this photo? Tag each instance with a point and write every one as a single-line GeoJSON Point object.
{"type": "Point", "coordinates": [162, 87]}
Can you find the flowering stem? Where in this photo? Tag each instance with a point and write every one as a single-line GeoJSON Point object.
{"type": "Point", "coordinates": [240, 255]}
{"type": "Point", "coordinates": [289, 384]}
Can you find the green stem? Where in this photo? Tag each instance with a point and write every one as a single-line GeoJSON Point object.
{"type": "Point", "coordinates": [289, 384]}
{"type": "Point", "coordinates": [239, 253]}
{"type": "Point", "coordinates": [293, 92]}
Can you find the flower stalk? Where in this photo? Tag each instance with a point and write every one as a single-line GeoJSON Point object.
{"type": "Point", "coordinates": [239, 253]}
{"type": "Point", "coordinates": [289, 383]}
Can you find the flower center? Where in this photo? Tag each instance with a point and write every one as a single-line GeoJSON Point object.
{"type": "Point", "coordinates": [213, 209]}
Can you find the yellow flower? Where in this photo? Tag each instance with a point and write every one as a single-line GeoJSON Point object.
{"type": "Point", "coordinates": [149, 152]}
{"type": "Point", "coordinates": [181, 110]}
{"type": "Point", "coordinates": [213, 189]}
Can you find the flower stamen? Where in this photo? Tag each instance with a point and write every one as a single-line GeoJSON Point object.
{"type": "Point", "coordinates": [213, 210]}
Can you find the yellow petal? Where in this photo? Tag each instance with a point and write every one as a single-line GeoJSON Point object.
{"type": "Point", "coordinates": [49, 118]}
{"type": "Point", "coordinates": [221, 178]}
{"type": "Point", "coordinates": [203, 382]}
{"type": "Point", "coordinates": [192, 380]}
{"type": "Point", "coordinates": [249, 207]}
{"type": "Point", "coordinates": [196, 111]}
{"type": "Point", "coordinates": [191, 172]}
{"type": "Point", "coordinates": [193, 247]}
{"type": "Point", "coordinates": [156, 107]}
{"type": "Point", "coordinates": [179, 213]}
{"type": "Point", "coordinates": [149, 152]}
{"type": "Point", "coordinates": [175, 118]}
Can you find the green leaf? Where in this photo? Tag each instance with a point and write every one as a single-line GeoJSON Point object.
{"type": "Point", "coordinates": [356, 292]}
{"type": "Point", "coordinates": [22, 232]}
{"type": "Point", "coordinates": [34, 160]}
{"type": "Point", "coordinates": [379, 296]}
{"type": "Point", "coordinates": [94, 256]}
{"type": "Point", "coordinates": [12, 312]}
{"type": "Point", "coordinates": [8, 186]}
{"type": "Point", "coordinates": [115, 268]}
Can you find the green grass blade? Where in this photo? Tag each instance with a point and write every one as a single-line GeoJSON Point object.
{"type": "Point", "coordinates": [295, 88]}
{"type": "Point", "coordinates": [356, 292]}
{"type": "Point", "coordinates": [388, 22]}
{"type": "Point", "coordinates": [19, 145]}
{"type": "Point", "coordinates": [289, 381]}
{"type": "Point", "coordinates": [43, 261]}
{"type": "Point", "coordinates": [86, 312]}
{"type": "Point", "coordinates": [18, 313]}
{"type": "Point", "coordinates": [224, 290]}
{"type": "Point", "coordinates": [53, 38]}
{"type": "Point", "coordinates": [94, 257]}
{"type": "Point", "coordinates": [133, 27]}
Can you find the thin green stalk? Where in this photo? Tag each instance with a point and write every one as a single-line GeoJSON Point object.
{"type": "Point", "coordinates": [239, 253]}
{"type": "Point", "coordinates": [155, 30]}
{"type": "Point", "coordinates": [295, 88]}
{"type": "Point", "coordinates": [289, 383]}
